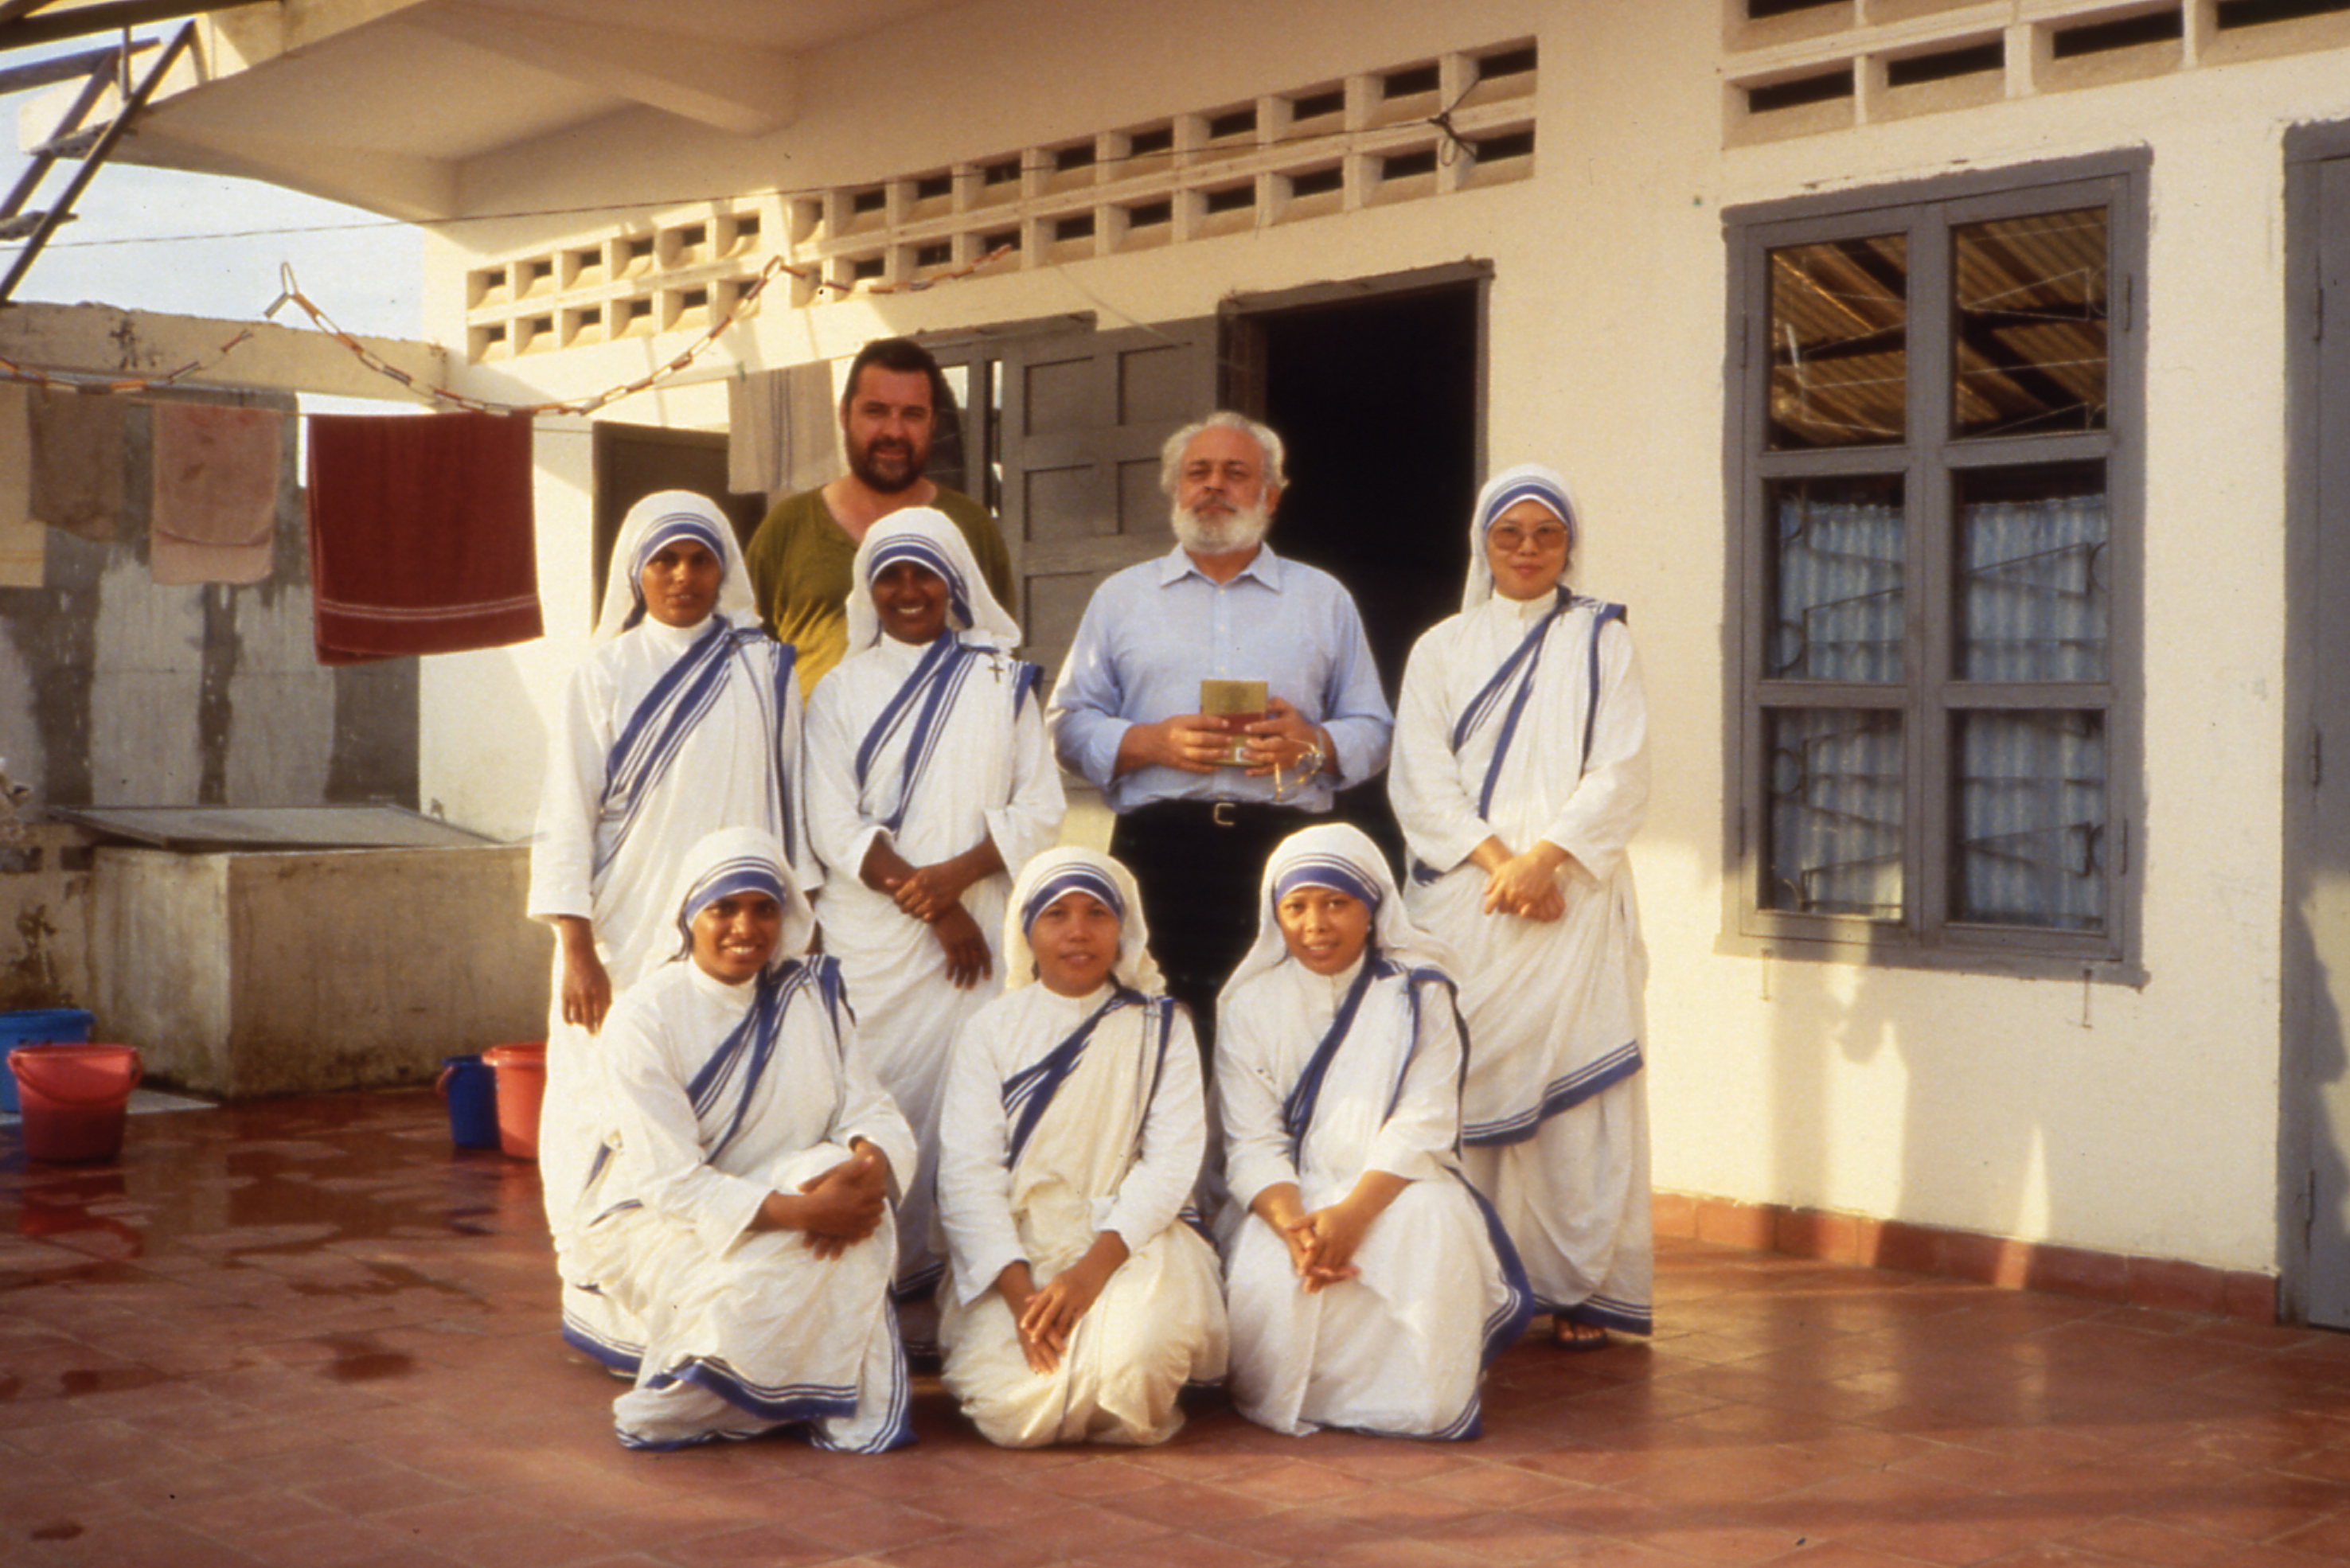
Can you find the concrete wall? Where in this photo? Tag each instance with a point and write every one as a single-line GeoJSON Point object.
{"type": "Point", "coordinates": [45, 900]}
{"type": "Point", "coordinates": [115, 690]}
{"type": "Point", "coordinates": [2009, 1107]}
{"type": "Point", "coordinates": [250, 974]}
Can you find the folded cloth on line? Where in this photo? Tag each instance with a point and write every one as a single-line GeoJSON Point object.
{"type": "Point", "coordinates": [421, 535]}
{"type": "Point", "coordinates": [78, 445]}
{"type": "Point", "coordinates": [783, 433]}
{"type": "Point", "coordinates": [215, 515]}
{"type": "Point", "coordinates": [23, 542]}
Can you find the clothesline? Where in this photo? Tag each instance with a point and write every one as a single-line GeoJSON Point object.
{"type": "Point", "coordinates": [116, 386]}
{"type": "Point", "coordinates": [775, 266]}
{"type": "Point", "coordinates": [290, 293]}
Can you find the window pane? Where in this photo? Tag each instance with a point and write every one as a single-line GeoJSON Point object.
{"type": "Point", "coordinates": [2031, 813]}
{"type": "Point", "coordinates": [1839, 340]}
{"type": "Point", "coordinates": [2029, 319]}
{"type": "Point", "coordinates": [2031, 587]}
{"type": "Point", "coordinates": [1835, 785]}
{"type": "Point", "coordinates": [945, 465]}
{"type": "Point", "coordinates": [1836, 579]}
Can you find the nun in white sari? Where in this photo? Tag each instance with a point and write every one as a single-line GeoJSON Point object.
{"type": "Point", "coordinates": [1339, 1084]}
{"type": "Point", "coordinates": [1521, 774]}
{"type": "Point", "coordinates": [928, 775]}
{"type": "Point", "coordinates": [1073, 1133]}
{"type": "Point", "coordinates": [737, 1209]}
{"type": "Point", "coordinates": [683, 718]}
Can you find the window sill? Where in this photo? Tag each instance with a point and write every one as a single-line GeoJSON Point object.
{"type": "Point", "coordinates": [1892, 949]}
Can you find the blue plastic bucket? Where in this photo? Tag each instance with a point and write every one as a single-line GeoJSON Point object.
{"type": "Point", "coordinates": [471, 1086]}
{"type": "Point", "coordinates": [41, 1027]}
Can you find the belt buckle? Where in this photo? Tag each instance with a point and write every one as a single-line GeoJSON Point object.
{"type": "Point", "coordinates": [1220, 814]}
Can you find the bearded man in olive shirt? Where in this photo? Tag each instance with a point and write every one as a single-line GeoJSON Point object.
{"type": "Point", "coordinates": [801, 558]}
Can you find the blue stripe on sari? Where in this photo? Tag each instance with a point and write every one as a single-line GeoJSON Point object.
{"type": "Point", "coordinates": [924, 695]}
{"type": "Point", "coordinates": [1608, 1312]}
{"type": "Point", "coordinates": [787, 659]}
{"type": "Point", "coordinates": [618, 1355]}
{"type": "Point", "coordinates": [1562, 1093]}
{"type": "Point", "coordinates": [1521, 666]}
{"type": "Point", "coordinates": [735, 1069]}
{"type": "Point", "coordinates": [649, 743]}
{"type": "Point", "coordinates": [930, 694]}
{"type": "Point", "coordinates": [1601, 616]}
{"type": "Point", "coordinates": [1028, 1092]}
{"type": "Point", "coordinates": [1333, 872]}
{"type": "Point", "coordinates": [1297, 1107]}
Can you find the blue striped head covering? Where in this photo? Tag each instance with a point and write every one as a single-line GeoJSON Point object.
{"type": "Point", "coordinates": [1339, 855]}
{"type": "Point", "coordinates": [1054, 875]}
{"type": "Point", "coordinates": [667, 530]}
{"type": "Point", "coordinates": [923, 552]}
{"type": "Point", "coordinates": [1528, 483]}
{"type": "Point", "coordinates": [729, 878]}
{"type": "Point", "coordinates": [658, 519]}
{"type": "Point", "coordinates": [1079, 878]}
{"type": "Point", "coordinates": [1310, 871]}
{"type": "Point", "coordinates": [737, 860]}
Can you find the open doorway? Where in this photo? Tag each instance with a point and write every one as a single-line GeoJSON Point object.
{"type": "Point", "coordinates": [1378, 389]}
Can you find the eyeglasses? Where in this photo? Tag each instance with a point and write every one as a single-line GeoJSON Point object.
{"type": "Point", "coordinates": [1510, 537]}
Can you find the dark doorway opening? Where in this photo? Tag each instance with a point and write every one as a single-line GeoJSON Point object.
{"type": "Point", "coordinates": [1378, 397]}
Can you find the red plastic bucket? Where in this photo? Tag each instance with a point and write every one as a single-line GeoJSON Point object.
{"type": "Point", "coordinates": [75, 1098]}
{"type": "Point", "coordinates": [522, 1083]}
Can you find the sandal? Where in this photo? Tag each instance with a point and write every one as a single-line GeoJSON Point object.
{"type": "Point", "coordinates": [1569, 1334]}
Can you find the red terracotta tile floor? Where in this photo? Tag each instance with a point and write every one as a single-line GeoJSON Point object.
{"type": "Point", "coordinates": [310, 1333]}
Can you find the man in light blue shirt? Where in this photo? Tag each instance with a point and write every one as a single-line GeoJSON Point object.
{"type": "Point", "coordinates": [1194, 827]}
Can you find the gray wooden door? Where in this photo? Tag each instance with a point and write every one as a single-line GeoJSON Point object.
{"type": "Point", "coordinates": [1084, 416]}
{"type": "Point", "coordinates": [2315, 1126]}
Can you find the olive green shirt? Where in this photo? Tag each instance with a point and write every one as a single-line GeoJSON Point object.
{"type": "Point", "coordinates": [801, 560]}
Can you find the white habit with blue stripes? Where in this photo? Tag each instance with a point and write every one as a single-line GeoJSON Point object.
{"type": "Point", "coordinates": [1554, 747]}
{"type": "Point", "coordinates": [1401, 1348]}
{"type": "Point", "coordinates": [696, 1144]}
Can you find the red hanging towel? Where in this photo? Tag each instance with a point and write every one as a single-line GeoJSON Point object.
{"type": "Point", "coordinates": [421, 534]}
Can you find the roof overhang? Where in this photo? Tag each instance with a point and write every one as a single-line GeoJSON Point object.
{"type": "Point", "coordinates": [382, 103]}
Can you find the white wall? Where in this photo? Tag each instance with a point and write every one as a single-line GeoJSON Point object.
{"type": "Point", "coordinates": [2133, 1121]}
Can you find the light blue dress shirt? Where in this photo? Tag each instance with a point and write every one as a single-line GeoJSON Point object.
{"type": "Point", "coordinates": [1152, 632]}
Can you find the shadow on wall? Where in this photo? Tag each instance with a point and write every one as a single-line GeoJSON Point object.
{"type": "Point", "coordinates": [2018, 1117]}
{"type": "Point", "coordinates": [2314, 1168]}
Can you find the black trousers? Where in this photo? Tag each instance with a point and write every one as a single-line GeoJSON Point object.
{"type": "Point", "coordinates": [1200, 864]}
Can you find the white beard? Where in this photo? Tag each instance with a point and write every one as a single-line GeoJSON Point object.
{"type": "Point", "coordinates": [1225, 534]}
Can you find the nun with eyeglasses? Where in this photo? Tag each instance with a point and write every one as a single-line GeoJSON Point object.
{"type": "Point", "coordinates": [683, 718]}
{"type": "Point", "coordinates": [1520, 776]}
{"type": "Point", "coordinates": [930, 778]}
